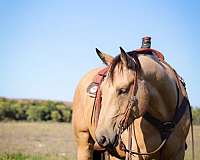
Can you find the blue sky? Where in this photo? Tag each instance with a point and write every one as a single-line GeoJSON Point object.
{"type": "Point", "coordinates": [47, 46]}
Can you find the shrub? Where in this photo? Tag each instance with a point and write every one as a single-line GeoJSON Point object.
{"type": "Point", "coordinates": [34, 110]}
{"type": "Point", "coordinates": [3, 110]}
{"type": "Point", "coordinates": [55, 116]}
{"type": "Point", "coordinates": [6, 111]}
{"type": "Point", "coordinates": [196, 115]}
{"type": "Point", "coordinates": [38, 113]}
{"type": "Point", "coordinates": [33, 114]}
{"type": "Point", "coordinates": [67, 115]}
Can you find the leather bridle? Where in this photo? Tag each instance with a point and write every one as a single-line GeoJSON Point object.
{"type": "Point", "coordinates": [165, 128]}
{"type": "Point", "coordinates": [132, 106]}
{"type": "Point", "coordinates": [132, 109]}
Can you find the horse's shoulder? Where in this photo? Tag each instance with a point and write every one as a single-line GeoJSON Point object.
{"type": "Point", "coordinates": [85, 81]}
{"type": "Point", "coordinates": [80, 92]}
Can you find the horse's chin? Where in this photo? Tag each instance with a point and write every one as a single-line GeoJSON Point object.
{"type": "Point", "coordinates": [115, 141]}
{"type": "Point", "coordinates": [106, 141]}
{"type": "Point", "coordinates": [97, 147]}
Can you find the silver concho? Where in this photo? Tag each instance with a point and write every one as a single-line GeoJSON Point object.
{"type": "Point", "coordinates": [92, 90]}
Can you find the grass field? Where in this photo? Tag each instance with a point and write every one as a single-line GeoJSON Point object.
{"type": "Point", "coordinates": [43, 140]}
{"type": "Point", "coordinates": [49, 141]}
{"type": "Point", "coordinates": [196, 144]}
{"type": "Point", "coordinates": [20, 156]}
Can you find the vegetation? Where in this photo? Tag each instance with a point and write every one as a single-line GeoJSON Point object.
{"type": "Point", "coordinates": [20, 156]}
{"type": "Point", "coordinates": [44, 140]}
{"type": "Point", "coordinates": [34, 110]}
{"type": "Point", "coordinates": [196, 115]}
{"type": "Point", "coordinates": [53, 141]}
{"type": "Point", "coordinates": [47, 110]}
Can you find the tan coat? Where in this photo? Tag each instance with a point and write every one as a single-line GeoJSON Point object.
{"type": "Point", "coordinates": [156, 91]}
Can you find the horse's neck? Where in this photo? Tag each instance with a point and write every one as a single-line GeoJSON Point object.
{"type": "Point", "coordinates": [162, 104]}
{"type": "Point", "coordinates": [162, 88]}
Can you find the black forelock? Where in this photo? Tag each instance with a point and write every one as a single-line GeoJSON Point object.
{"type": "Point", "coordinates": [117, 60]}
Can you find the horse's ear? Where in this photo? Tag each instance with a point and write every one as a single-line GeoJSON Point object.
{"type": "Point", "coordinates": [126, 59]}
{"type": "Point", "coordinates": [107, 59]}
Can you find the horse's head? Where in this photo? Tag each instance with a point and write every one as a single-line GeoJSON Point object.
{"type": "Point", "coordinates": [124, 96]}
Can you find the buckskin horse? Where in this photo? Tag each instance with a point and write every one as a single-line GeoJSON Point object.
{"type": "Point", "coordinates": [134, 108]}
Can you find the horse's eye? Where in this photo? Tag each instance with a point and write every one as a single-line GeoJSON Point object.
{"type": "Point", "coordinates": [123, 91]}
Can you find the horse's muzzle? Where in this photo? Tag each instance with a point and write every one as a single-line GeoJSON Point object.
{"type": "Point", "coordinates": [107, 142]}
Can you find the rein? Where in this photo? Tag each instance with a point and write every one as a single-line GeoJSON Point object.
{"type": "Point", "coordinates": [97, 102]}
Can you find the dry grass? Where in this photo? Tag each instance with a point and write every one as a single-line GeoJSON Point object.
{"type": "Point", "coordinates": [188, 155]}
{"type": "Point", "coordinates": [20, 156]}
{"type": "Point", "coordinates": [52, 139]}
{"type": "Point", "coordinates": [44, 138]}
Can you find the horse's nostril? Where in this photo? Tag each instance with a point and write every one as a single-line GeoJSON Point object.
{"type": "Point", "coordinates": [102, 140]}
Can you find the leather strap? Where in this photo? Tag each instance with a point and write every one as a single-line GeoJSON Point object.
{"type": "Point", "coordinates": [97, 102]}
{"type": "Point", "coordinates": [167, 127]}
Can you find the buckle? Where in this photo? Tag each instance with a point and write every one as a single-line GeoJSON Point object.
{"type": "Point", "coordinates": [168, 126]}
{"type": "Point", "coordinates": [133, 100]}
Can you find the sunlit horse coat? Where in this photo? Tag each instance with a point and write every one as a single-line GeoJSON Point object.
{"type": "Point", "coordinates": [156, 93]}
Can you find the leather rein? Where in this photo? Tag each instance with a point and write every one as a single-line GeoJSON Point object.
{"type": "Point", "coordinates": [165, 128]}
